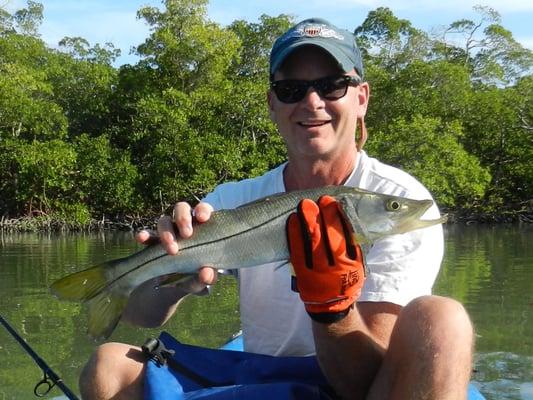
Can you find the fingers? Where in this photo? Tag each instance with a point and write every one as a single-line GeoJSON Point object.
{"type": "Point", "coordinates": [189, 283]}
{"type": "Point", "coordinates": [320, 230]}
{"type": "Point", "coordinates": [183, 216]}
{"type": "Point", "coordinates": [180, 224]}
{"type": "Point", "coordinates": [198, 283]}
{"type": "Point", "coordinates": [147, 237]}
{"type": "Point", "coordinates": [309, 217]}
{"type": "Point", "coordinates": [202, 212]}
{"type": "Point", "coordinates": [167, 236]}
{"type": "Point", "coordinates": [207, 275]}
{"type": "Point", "coordinates": [339, 233]}
{"type": "Point", "coordinates": [333, 227]}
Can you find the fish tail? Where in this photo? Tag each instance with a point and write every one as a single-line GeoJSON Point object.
{"type": "Point", "coordinates": [84, 285]}
{"type": "Point", "coordinates": [105, 310]}
{"type": "Point", "coordinates": [93, 287]}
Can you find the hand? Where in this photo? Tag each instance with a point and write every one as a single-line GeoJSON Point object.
{"type": "Point", "coordinates": [166, 236]}
{"type": "Point", "coordinates": [329, 266]}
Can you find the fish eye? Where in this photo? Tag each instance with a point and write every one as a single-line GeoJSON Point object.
{"type": "Point", "coordinates": [393, 205]}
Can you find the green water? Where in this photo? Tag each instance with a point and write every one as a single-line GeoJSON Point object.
{"type": "Point", "coordinates": [489, 269]}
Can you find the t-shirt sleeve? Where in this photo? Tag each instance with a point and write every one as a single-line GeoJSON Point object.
{"type": "Point", "coordinates": [403, 267]}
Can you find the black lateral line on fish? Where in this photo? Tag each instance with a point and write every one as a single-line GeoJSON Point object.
{"type": "Point", "coordinates": [194, 246]}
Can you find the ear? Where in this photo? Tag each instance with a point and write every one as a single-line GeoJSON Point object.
{"type": "Point", "coordinates": [363, 95]}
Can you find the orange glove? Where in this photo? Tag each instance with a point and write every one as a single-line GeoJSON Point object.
{"type": "Point", "coordinates": [329, 266]}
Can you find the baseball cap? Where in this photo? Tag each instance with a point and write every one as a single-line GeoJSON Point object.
{"type": "Point", "coordinates": [339, 43]}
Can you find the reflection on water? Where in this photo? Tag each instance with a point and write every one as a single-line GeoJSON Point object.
{"type": "Point", "coordinates": [505, 375]}
{"type": "Point", "coordinates": [487, 268]}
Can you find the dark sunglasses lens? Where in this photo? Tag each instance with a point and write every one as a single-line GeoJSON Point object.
{"type": "Point", "coordinates": [293, 91]}
{"type": "Point", "coordinates": [290, 91]}
{"type": "Point", "coordinates": [332, 88]}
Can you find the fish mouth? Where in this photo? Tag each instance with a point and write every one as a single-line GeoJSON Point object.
{"type": "Point", "coordinates": [414, 221]}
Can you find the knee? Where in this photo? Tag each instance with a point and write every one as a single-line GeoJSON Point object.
{"type": "Point", "coordinates": [442, 320]}
{"type": "Point", "coordinates": [112, 369]}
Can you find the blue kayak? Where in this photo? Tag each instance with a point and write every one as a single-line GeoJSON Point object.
{"type": "Point", "coordinates": [184, 372]}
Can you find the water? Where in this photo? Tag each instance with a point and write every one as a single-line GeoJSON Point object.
{"type": "Point", "coordinates": [489, 269]}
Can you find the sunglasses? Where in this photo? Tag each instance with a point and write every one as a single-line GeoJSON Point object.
{"type": "Point", "coordinates": [330, 88]}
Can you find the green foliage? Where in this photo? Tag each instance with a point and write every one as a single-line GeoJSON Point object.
{"type": "Point", "coordinates": [256, 42]}
{"type": "Point", "coordinates": [485, 48]}
{"type": "Point", "coordinates": [434, 89]}
{"type": "Point", "coordinates": [429, 150]}
{"type": "Point", "coordinates": [202, 116]}
{"type": "Point", "coordinates": [185, 49]}
{"type": "Point", "coordinates": [29, 19]}
{"type": "Point", "coordinates": [78, 48]}
{"type": "Point", "coordinates": [43, 173]}
{"type": "Point", "coordinates": [105, 178]}
{"type": "Point", "coordinates": [74, 215]}
{"type": "Point", "coordinates": [26, 106]}
{"type": "Point", "coordinates": [498, 131]}
{"type": "Point", "coordinates": [389, 41]}
{"type": "Point", "coordinates": [83, 88]}
{"type": "Point", "coordinates": [82, 140]}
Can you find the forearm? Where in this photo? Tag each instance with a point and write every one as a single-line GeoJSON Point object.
{"type": "Point", "coordinates": [350, 352]}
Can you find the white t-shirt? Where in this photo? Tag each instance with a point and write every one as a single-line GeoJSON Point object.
{"type": "Point", "coordinates": [401, 267]}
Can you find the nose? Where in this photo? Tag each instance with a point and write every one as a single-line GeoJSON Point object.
{"type": "Point", "coordinates": [312, 99]}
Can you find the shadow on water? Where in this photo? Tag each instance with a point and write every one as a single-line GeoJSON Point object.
{"type": "Point", "coordinates": [487, 268]}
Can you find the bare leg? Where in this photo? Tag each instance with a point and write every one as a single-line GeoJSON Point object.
{"type": "Point", "coordinates": [115, 371]}
{"type": "Point", "coordinates": [430, 353]}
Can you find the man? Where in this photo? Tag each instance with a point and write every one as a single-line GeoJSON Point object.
{"type": "Point", "coordinates": [396, 341]}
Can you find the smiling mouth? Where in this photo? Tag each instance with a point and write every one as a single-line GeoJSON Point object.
{"type": "Point", "coordinates": [308, 124]}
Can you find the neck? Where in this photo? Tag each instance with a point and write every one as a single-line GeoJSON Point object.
{"type": "Point", "coordinates": [317, 173]}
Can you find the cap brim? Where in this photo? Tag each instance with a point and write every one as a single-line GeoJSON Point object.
{"type": "Point", "coordinates": [343, 61]}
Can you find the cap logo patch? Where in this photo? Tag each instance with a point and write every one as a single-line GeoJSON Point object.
{"type": "Point", "coordinates": [316, 30]}
{"type": "Point", "coordinates": [312, 30]}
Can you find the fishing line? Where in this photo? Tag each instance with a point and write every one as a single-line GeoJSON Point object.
{"type": "Point", "coordinates": [50, 378]}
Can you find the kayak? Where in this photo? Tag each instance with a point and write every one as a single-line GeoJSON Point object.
{"type": "Point", "coordinates": [184, 372]}
{"type": "Point", "coordinates": [236, 344]}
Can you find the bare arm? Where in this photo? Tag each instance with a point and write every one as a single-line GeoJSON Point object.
{"type": "Point", "coordinates": [350, 351]}
{"type": "Point", "coordinates": [150, 307]}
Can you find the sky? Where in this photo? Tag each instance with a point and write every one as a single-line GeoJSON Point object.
{"type": "Point", "coordinates": [101, 21]}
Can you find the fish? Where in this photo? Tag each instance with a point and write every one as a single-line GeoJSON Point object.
{"type": "Point", "coordinates": [246, 236]}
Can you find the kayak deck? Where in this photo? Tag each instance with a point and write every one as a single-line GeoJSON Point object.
{"type": "Point", "coordinates": [236, 344]}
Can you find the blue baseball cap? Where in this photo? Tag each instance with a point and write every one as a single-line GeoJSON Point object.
{"type": "Point", "coordinates": [339, 43]}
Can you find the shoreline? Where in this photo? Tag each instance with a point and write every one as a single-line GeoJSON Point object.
{"type": "Point", "coordinates": [130, 223]}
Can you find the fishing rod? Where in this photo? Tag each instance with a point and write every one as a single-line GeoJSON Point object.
{"type": "Point", "coordinates": [50, 378]}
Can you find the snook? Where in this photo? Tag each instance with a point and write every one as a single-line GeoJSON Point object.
{"type": "Point", "coordinates": [250, 235]}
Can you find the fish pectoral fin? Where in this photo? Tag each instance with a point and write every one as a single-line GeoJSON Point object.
{"type": "Point", "coordinates": [105, 310]}
{"type": "Point", "coordinates": [173, 280]}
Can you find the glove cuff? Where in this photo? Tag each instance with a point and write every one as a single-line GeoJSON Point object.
{"type": "Point", "coordinates": [330, 317]}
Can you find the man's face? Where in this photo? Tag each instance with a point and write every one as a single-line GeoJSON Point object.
{"type": "Point", "coordinates": [314, 127]}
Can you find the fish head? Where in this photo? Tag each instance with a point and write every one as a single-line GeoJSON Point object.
{"type": "Point", "coordinates": [373, 216]}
